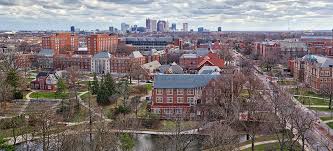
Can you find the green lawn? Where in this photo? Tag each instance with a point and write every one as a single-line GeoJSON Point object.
{"type": "Point", "coordinates": [46, 95]}
{"type": "Point", "coordinates": [286, 82]}
{"type": "Point", "coordinates": [326, 118]}
{"type": "Point", "coordinates": [307, 101]}
{"type": "Point", "coordinates": [321, 109]}
{"type": "Point", "coordinates": [330, 125]}
{"type": "Point", "coordinates": [271, 146]}
{"type": "Point", "coordinates": [306, 92]}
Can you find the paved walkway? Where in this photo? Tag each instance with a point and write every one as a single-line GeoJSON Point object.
{"type": "Point", "coordinates": [256, 144]}
{"type": "Point", "coordinates": [328, 121]}
{"type": "Point", "coordinates": [312, 97]}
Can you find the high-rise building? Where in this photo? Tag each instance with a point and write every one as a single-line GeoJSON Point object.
{"type": "Point", "coordinates": [111, 29]}
{"type": "Point", "coordinates": [200, 29]}
{"type": "Point", "coordinates": [185, 27]}
{"type": "Point", "coordinates": [219, 29]}
{"type": "Point", "coordinates": [151, 25]}
{"type": "Point", "coordinates": [72, 29]}
{"type": "Point", "coordinates": [124, 27]}
{"type": "Point", "coordinates": [101, 42]}
{"type": "Point", "coordinates": [61, 43]}
{"type": "Point", "coordinates": [174, 27]}
{"type": "Point", "coordinates": [162, 26]}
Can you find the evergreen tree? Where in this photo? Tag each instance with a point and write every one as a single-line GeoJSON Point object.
{"type": "Point", "coordinates": [94, 85]}
{"type": "Point", "coordinates": [110, 85]}
{"type": "Point", "coordinates": [102, 94]}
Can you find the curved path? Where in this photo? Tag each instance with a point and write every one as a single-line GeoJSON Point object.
{"type": "Point", "coordinates": [256, 144]}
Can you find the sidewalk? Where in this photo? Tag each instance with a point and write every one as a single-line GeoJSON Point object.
{"type": "Point", "coordinates": [257, 143]}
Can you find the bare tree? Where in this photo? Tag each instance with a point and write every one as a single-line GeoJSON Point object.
{"type": "Point", "coordinates": [327, 90]}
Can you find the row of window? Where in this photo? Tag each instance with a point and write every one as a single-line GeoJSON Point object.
{"type": "Point", "coordinates": [179, 91]}
{"type": "Point", "coordinates": [168, 111]}
{"type": "Point", "coordinates": [190, 100]}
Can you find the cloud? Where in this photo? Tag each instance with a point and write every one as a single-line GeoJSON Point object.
{"type": "Point", "coordinates": [254, 14]}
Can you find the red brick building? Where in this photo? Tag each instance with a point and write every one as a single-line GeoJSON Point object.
{"type": "Point", "coordinates": [193, 62]}
{"type": "Point", "coordinates": [315, 71]}
{"type": "Point", "coordinates": [267, 48]}
{"type": "Point", "coordinates": [122, 64]}
{"type": "Point", "coordinates": [101, 42]}
{"type": "Point", "coordinates": [83, 62]}
{"type": "Point", "coordinates": [176, 95]}
{"type": "Point", "coordinates": [321, 45]}
{"type": "Point", "coordinates": [61, 43]}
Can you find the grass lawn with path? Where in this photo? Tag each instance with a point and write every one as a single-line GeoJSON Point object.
{"type": "Point", "coordinates": [321, 109]}
{"type": "Point", "coordinates": [270, 146]}
{"type": "Point", "coordinates": [46, 95]}
{"type": "Point", "coordinates": [330, 125]}
{"type": "Point", "coordinates": [311, 101]}
{"type": "Point", "coordinates": [306, 92]}
{"type": "Point", "coordinates": [326, 118]}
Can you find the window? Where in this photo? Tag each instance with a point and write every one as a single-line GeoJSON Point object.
{"type": "Point", "coordinates": [167, 111]}
{"type": "Point", "coordinates": [180, 91]}
{"type": "Point", "coordinates": [190, 91]}
{"type": "Point", "coordinates": [178, 111]}
{"type": "Point", "coordinates": [169, 92]}
{"type": "Point", "coordinates": [190, 100]}
{"type": "Point", "coordinates": [157, 111]}
{"type": "Point", "coordinates": [159, 99]}
{"type": "Point", "coordinates": [170, 100]}
{"type": "Point", "coordinates": [180, 100]}
{"type": "Point", "coordinates": [159, 91]}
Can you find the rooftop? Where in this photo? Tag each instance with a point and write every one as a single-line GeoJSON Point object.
{"type": "Point", "coordinates": [323, 61]}
{"type": "Point", "coordinates": [182, 80]}
{"type": "Point", "coordinates": [102, 54]}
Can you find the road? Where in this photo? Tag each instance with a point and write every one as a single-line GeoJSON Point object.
{"type": "Point", "coordinates": [320, 134]}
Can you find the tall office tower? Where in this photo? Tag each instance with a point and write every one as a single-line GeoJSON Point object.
{"type": "Point", "coordinates": [111, 29]}
{"type": "Point", "coordinates": [101, 42]}
{"type": "Point", "coordinates": [185, 27]}
{"type": "Point", "coordinates": [174, 27]}
{"type": "Point", "coordinates": [154, 25]}
{"type": "Point", "coordinates": [72, 29]}
{"type": "Point", "coordinates": [219, 29]}
{"type": "Point", "coordinates": [200, 29]}
{"type": "Point", "coordinates": [151, 25]}
{"type": "Point", "coordinates": [124, 27]}
{"type": "Point", "coordinates": [61, 43]}
{"type": "Point", "coordinates": [161, 26]}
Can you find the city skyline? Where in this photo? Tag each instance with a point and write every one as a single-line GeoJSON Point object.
{"type": "Point", "coordinates": [244, 15]}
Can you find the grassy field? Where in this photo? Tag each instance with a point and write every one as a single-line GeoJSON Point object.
{"type": "Point", "coordinates": [306, 92]}
{"type": "Point", "coordinates": [330, 125]}
{"type": "Point", "coordinates": [271, 146]}
{"type": "Point", "coordinates": [326, 118]}
{"type": "Point", "coordinates": [46, 95]}
{"type": "Point", "coordinates": [286, 82]}
{"type": "Point", "coordinates": [321, 109]}
{"type": "Point", "coordinates": [312, 101]}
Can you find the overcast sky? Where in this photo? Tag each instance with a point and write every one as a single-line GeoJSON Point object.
{"type": "Point", "coordinates": [230, 14]}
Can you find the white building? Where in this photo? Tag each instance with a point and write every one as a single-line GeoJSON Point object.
{"type": "Point", "coordinates": [100, 63]}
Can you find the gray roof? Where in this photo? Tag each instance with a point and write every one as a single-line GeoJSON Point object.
{"type": "Point", "coordinates": [202, 51]}
{"type": "Point", "coordinates": [172, 68]}
{"type": "Point", "coordinates": [316, 37]}
{"type": "Point", "coordinates": [135, 54]}
{"type": "Point", "coordinates": [182, 80]}
{"type": "Point", "coordinates": [323, 61]}
{"type": "Point", "coordinates": [46, 52]}
{"type": "Point", "coordinates": [102, 54]}
{"type": "Point", "coordinates": [189, 56]}
{"type": "Point", "coordinates": [209, 70]}
{"type": "Point", "coordinates": [151, 66]}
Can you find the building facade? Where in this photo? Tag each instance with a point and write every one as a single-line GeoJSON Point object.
{"type": "Point", "coordinates": [61, 43]}
{"type": "Point", "coordinates": [101, 42]}
{"type": "Point", "coordinates": [316, 71]}
{"type": "Point", "coordinates": [176, 95]}
{"type": "Point", "coordinates": [100, 63]}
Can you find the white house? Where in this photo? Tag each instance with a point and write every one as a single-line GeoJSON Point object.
{"type": "Point", "coordinates": [100, 63]}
